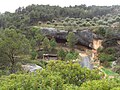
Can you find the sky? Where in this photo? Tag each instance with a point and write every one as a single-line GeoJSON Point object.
{"type": "Point", "coordinates": [12, 5]}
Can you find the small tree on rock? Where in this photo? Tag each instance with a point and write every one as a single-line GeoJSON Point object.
{"type": "Point", "coordinates": [46, 44]}
{"type": "Point", "coordinates": [71, 40]}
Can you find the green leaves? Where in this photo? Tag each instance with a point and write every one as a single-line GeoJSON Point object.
{"type": "Point", "coordinates": [59, 75]}
{"type": "Point", "coordinates": [46, 44]}
{"type": "Point", "coordinates": [12, 45]}
{"type": "Point", "coordinates": [71, 39]}
{"type": "Point", "coordinates": [61, 53]}
{"type": "Point", "coordinates": [53, 44]}
{"type": "Point", "coordinates": [106, 57]}
{"type": "Point", "coordinates": [72, 73]}
{"type": "Point", "coordinates": [105, 84]}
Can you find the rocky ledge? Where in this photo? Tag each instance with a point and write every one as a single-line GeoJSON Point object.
{"type": "Point", "coordinates": [84, 37]}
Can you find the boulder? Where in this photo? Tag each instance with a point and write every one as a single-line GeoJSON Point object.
{"type": "Point", "coordinates": [31, 67]}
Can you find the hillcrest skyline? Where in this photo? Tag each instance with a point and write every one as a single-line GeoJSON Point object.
{"type": "Point", "coordinates": [12, 5]}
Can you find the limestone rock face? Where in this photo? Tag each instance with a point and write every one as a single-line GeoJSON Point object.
{"type": "Point", "coordinates": [31, 68]}
{"type": "Point", "coordinates": [84, 37]}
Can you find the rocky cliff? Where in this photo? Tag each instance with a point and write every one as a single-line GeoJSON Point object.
{"type": "Point", "coordinates": [84, 37]}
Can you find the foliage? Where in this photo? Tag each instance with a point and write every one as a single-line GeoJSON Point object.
{"type": "Point", "coordinates": [104, 84]}
{"type": "Point", "coordinates": [24, 17]}
{"type": "Point", "coordinates": [46, 44]}
{"type": "Point", "coordinates": [72, 73]}
{"type": "Point", "coordinates": [56, 75]}
{"type": "Point", "coordinates": [32, 43]}
{"type": "Point", "coordinates": [53, 44]}
{"type": "Point", "coordinates": [109, 72]}
{"type": "Point", "coordinates": [71, 39]}
{"type": "Point", "coordinates": [12, 44]}
{"type": "Point", "coordinates": [61, 54]}
{"type": "Point", "coordinates": [110, 50]}
{"type": "Point", "coordinates": [43, 80]}
{"type": "Point", "coordinates": [59, 75]}
{"type": "Point", "coordinates": [39, 38]}
{"type": "Point", "coordinates": [106, 57]}
{"type": "Point", "coordinates": [33, 55]}
{"type": "Point", "coordinates": [71, 56]}
{"type": "Point", "coordinates": [101, 31]}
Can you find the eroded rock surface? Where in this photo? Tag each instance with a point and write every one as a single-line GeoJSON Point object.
{"type": "Point", "coordinates": [84, 37]}
{"type": "Point", "coordinates": [31, 67]}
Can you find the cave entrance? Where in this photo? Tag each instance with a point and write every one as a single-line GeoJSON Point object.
{"type": "Point", "coordinates": [63, 41]}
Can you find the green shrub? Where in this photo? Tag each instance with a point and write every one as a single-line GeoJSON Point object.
{"type": "Point", "coordinates": [57, 75]}
{"type": "Point", "coordinates": [110, 50]}
{"type": "Point", "coordinates": [104, 84]}
{"type": "Point", "coordinates": [61, 54]}
{"type": "Point", "coordinates": [73, 73]}
{"type": "Point", "coordinates": [69, 56]}
{"type": "Point", "coordinates": [101, 31]}
{"type": "Point", "coordinates": [33, 55]}
{"type": "Point", "coordinates": [106, 57]}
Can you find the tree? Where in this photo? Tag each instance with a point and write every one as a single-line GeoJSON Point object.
{"type": "Point", "coordinates": [33, 54]}
{"type": "Point", "coordinates": [69, 56]}
{"type": "Point", "coordinates": [46, 44]}
{"type": "Point", "coordinates": [71, 39]}
{"type": "Point", "coordinates": [39, 38]}
{"type": "Point", "coordinates": [61, 53]}
{"type": "Point", "coordinates": [12, 44]}
{"type": "Point", "coordinates": [33, 43]}
{"type": "Point", "coordinates": [53, 44]}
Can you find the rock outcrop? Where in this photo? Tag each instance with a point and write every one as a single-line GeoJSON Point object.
{"type": "Point", "coordinates": [31, 68]}
{"type": "Point", "coordinates": [84, 37]}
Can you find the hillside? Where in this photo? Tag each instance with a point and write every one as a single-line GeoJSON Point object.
{"type": "Point", "coordinates": [45, 47]}
{"type": "Point", "coordinates": [32, 14]}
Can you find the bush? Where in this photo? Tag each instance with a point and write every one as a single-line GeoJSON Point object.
{"type": "Point", "coordinates": [61, 54]}
{"type": "Point", "coordinates": [110, 50]}
{"type": "Point", "coordinates": [105, 57]}
{"type": "Point", "coordinates": [73, 73]}
{"type": "Point", "coordinates": [56, 76]}
{"type": "Point", "coordinates": [32, 82]}
{"type": "Point", "coordinates": [69, 56]}
{"type": "Point", "coordinates": [104, 84]}
{"type": "Point", "coordinates": [33, 55]}
{"type": "Point", "coordinates": [101, 31]}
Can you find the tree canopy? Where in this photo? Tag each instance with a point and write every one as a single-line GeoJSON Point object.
{"type": "Point", "coordinates": [12, 44]}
